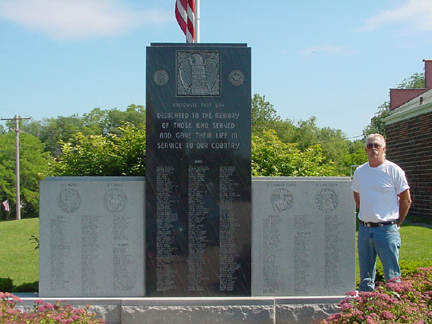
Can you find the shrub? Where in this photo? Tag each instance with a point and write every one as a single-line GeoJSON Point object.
{"type": "Point", "coordinates": [408, 301]}
{"type": "Point", "coordinates": [6, 284]}
{"type": "Point", "coordinates": [44, 313]}
{"type": "Point", "coordinates": [26, 287]}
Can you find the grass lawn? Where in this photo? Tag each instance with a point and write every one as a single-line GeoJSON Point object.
{"type": "Point", "coordinates": [416, 241]}
{"type": "Point", "coordinates": [18, 258]}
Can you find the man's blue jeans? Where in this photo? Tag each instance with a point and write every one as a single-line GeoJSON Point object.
{"type": "Point", "coordinates": [383, 241]}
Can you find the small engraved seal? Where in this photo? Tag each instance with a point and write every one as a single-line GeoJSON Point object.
{"type": "Point", "coordinates": [281, 200]}
{"type": "Point", "coordinates": [236, 77]}
{"type": "Point", "coordinates": [160, 77]}
{"type": "Point", "coordinates": [69, 200]}
{"type": "Point", "coordinates": [115, 200]}
{"type": "Point", "coordinates": [326, 200]}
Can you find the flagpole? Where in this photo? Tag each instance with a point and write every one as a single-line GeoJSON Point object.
{"type": "Point", "coordinates": [197, 21]}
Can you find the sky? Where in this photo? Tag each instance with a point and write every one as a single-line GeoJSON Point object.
{"type": "Point", "coordinates": [335, 59]}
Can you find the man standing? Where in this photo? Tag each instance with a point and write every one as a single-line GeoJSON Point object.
{"type": "Point", "coordinates": [382, 195]}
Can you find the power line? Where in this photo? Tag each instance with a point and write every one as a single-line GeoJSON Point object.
{"type": "Point", "coordinates": [335, 111]}
{"type": "Point", "coordinates": [9, 110]}
{"type": "Point", "coordinates": [340, 140]}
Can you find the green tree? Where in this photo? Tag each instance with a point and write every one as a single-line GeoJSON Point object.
{"type": "Point", "coordinates": [272, 157]}
{"type": "Point", "coordinates": [59, 129]}
{"type": "Point", "coordinates": [264, 117]}
{"type": "Point", "coordinates": [120, 154]}
{"type": "Point", "coordinates": [415, 81]}
{"type": "Point", "coordinates": [377, 124]}
{"type": "Point", "coordinates": [333, 143]}
{"type": "Point", "coordinates": [306, 133]}
{"type": "Point", "coordinates": [34, 166]}
{"type": "Point", "coordinates": [98, 122]}
{"type": "Point", "coordinates": [263, 114]}
{"type": "Point", "coordinates": [134, 115]}
{"type": "Point", "coordinates": [356, 156]}
{"type": "Point", "coordinates": [105, 122]}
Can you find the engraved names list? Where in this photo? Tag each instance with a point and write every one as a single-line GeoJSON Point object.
{"type": "Point", "coordinates": [307, 230]}
{"type": "Point", "coordinates": [91, 237]}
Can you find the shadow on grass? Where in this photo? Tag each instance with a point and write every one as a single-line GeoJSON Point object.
{"type": "Point", "coordinates": [6, 285]}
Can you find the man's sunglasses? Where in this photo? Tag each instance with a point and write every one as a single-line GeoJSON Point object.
{"type": "Point", "coordinates": [373, 145]}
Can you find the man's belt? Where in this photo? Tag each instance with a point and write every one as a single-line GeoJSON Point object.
{"type": "Point", "coordinates": [371, 224]}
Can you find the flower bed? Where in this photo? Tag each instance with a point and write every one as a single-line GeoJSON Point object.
{"type": "Point", "coordinates": [44, 313]}
{"type": "Point", "coordinates": [408, 301]}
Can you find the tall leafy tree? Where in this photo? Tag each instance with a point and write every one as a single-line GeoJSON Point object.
{"type": "Point", "coordinates": [34, 166]}
{"type": "Point", "coordinates": [306, 133]}
{"type": "Point", "coordinates": [377, 124]}
{"type": "Point", "coordinates": [354, 157]}
{"type": "Point", "coordinates": [59, 128]}
{"type": "Point", "coordinates": [415, 81]}
{"type": "Point", "coordinates": [272, 157]}
{"type": "Point", "coordinates": [98, 122]}
{"type": "Point", "coordinates": [264, 115]}
{"type": "Point", "coordinates": [96, 155]}
{"type": "Point", "coordinates": [106, 122]}
{"type": "Point", "coordinates": [134, 115]}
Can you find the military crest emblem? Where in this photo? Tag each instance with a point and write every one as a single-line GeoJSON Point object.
{"type": "Point", "coordinates": [198, 73]}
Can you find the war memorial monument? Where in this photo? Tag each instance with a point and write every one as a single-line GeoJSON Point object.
{"type": "Point", "coordinates": [198, 237]}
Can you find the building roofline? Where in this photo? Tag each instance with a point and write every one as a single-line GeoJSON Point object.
{"type": "Point", "coordinates": [415, 107]}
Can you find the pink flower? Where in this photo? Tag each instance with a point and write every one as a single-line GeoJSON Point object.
{"type": "Point", "coordinates": [370, 320]}
{"type": "Point", "coordinates": [16, 299]}
{"type": "Point", "coordinates": [10, 311]}
{"type": "Point", "coordinates": [346, 306]}
{"type": "Point", "coordinates": [387, 315]}
{"type": "Point", "coordinates": [66, 321]}
{"type": "Point", "coordinates": [49, 306]}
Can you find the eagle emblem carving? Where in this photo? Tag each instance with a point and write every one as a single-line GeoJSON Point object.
{"type": "Point", "coordinates": [198, 74]}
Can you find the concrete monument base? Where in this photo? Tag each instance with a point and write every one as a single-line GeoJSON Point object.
{"type": "Point", "coordinates": [204, 310]}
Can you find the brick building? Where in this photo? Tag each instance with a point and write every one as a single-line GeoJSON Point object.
{"type": "Point", "coordinates": [409, 140]}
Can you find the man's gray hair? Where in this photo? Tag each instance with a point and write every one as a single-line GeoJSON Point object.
{"type": "Point", "coordinates": [380, 138]}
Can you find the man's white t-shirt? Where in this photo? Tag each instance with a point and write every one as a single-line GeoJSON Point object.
{"type": "Point", "coordinates": [379, 188]}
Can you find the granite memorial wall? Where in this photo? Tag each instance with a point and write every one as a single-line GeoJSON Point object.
{"type": "Point", "coordinates": [91, 237]}
{"type": "Point", "coordinates": [303, 237]}
{"type": "Point", "coordinates": [198, 182]}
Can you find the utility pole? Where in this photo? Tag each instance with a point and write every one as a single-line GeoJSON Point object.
{"type": "Point", "coordinates": [17, 163]}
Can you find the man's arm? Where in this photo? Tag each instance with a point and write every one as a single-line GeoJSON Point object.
{"type": "Point", "coordinates": [357, 199]}
{"type": "Point", "coordinates": [404, 205]}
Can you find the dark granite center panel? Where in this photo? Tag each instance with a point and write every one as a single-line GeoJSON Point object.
{"type": "Point", "coordinates": [198, 179]}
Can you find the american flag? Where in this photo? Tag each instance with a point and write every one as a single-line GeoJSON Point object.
{"type": "Point", "coordinates": [6, 205]}
{"type": "Point", "coordinates": [185, 15]}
